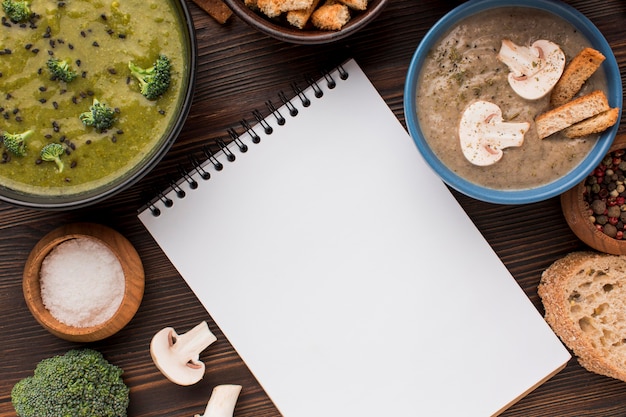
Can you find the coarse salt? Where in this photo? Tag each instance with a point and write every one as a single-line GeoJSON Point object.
{"type": "Point", "coordinates": [82, 282]}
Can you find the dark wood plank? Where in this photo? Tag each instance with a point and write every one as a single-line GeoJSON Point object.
{"type": "Point", "coordinates": [239, 70]}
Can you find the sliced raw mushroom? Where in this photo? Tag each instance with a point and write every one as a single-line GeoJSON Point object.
{"type": "Point", "coordinates": [534, 69]}
{"type": "Point", "coordinates": [222, 401]}
{"type": "Point", "coordinates": [484, 134]}
{"type": "Point", "coordinates": [177, 356]}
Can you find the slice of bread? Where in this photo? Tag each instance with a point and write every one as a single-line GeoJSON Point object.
{"type": "Point", "coordinates": [299, 18]}
{"type": "Point", "coordinates": [584, 296]}
{"type": "Point", "coordinates": [330, 16]}
{"type": "Point", "coordinates": [596, 124]}
{"type": "Point", "coordinates": [273, 8]}
{"type": "Point", "coordinates": [577, 72]}
{"type": "Point", "coordinates": [570, 113]}
{"type": "Point", "coordinates": [217, 9]}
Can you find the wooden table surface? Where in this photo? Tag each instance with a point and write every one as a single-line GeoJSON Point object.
{"type": "Point", "coordinates": [238, 70]}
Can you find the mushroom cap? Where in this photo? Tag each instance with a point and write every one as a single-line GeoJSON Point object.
{"type": "Point", "coordinates": [535, 70]}
{"type": "Point", "coordinates": [179, 369]}
{"type": "Point", "coordinates": [483, 134]}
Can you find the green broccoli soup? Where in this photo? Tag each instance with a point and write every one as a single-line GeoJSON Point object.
{"type": "Point", "coordinates": [87, 89]}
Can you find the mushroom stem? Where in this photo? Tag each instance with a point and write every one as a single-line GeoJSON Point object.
{"type": "Point", "coordinates": [222, 401]}
{"type": "Point", "coordinates": [505, 134]}
{"type": "Point", "coordinates": [190, 344]}
{"type": "Point", "coordinates": [523, 61]}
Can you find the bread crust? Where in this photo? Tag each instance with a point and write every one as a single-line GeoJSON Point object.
{"type": "Point", "coordinates": [562, 292]}
{"type": "Point", "coordinates": [273, 8]}
{"type": "Point", "coordinates": [596, 124]}
{"type": "Point", "coordinates": [217, 9]}
{"type": "Point", "coordinates": [331, 16]}
{"type": "Point", "coordinates": [299, 18]}
{"type": "Point", "coordinates": [577, 72]}
{"type": "Point", "coordinates": [570, 113]}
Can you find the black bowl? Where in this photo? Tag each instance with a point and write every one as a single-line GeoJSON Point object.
{"type": "Point", "coordinates": [99, 192]}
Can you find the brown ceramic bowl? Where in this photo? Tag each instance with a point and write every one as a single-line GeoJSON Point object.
{"type": "Point", "coordinates": [575, 210]}
{"type": "Point", "coordinates": [133, 274]}
{"type": "Point", "coordinates": [281, 30]}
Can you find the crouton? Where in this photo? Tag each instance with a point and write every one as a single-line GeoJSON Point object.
{"type": "Point", "coordinates": [273, 8]}
{"type": "Point", "coordinates": [596, 124]}
{"type": "Point", "coordinates": [570, 113]}
{"type": "Point", "coordinates": [299, 18]}
{"type": "Point", "coordinates": [217, 9]}
{"type": "Point", "coordinates": [330, 16]}
{"type": "Point", "coordinates": [580, 68]}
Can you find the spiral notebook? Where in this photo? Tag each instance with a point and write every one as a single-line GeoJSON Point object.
{"type": "Point", "coordinates": [344, 272]}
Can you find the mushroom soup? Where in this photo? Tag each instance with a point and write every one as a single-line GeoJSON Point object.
{"type": "Point", "coordinates": [463, 68]}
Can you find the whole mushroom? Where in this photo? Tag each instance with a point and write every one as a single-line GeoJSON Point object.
{"type": "Point", "coordinates": [534, 69]}
{"type": "Point", "coordinates": [484, 134]}
{"type": "Point", "coordinates": [177, 356]}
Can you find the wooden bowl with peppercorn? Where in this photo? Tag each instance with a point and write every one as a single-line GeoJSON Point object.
{"type": "Point", "coordinates": [595, 209]}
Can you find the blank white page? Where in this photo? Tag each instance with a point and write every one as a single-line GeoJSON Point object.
{"type": "Point", "coordinates": [347, 276]}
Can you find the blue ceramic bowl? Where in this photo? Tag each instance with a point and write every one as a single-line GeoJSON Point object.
{"type": "Point", "coordinates": [521, 196]}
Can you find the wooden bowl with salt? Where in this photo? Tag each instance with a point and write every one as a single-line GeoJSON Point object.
{"type": "Point", "coordinates": [576, 212]}
{"type": "Point", "coordinates": [120, 275]}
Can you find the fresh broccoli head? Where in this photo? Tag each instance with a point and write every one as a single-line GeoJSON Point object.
{"type": "Point", "coordinates": [80, 383]}
{"type": "Point", "coordinates": [52, 153]}
{"type": "Point", "coordinates": [16, 142]}
{"type": "Point", "coordinates": [61, 70]}
{"type": "Point", "coordinates": [154, 81]}
{"type": "Point", "coordinates": [99, 116]}
{"type": "Point", "coordinates": [17, 10]}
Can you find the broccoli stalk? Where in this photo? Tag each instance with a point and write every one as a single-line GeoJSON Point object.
{"type": "Point", "coordinates": [17, 10]}
{"type": "Point", "coordinates": [99, 116]}
{"type": "Point", "coordinates": [52, 153]}
{"type": "Point", "coordinates": [16, 142]}
{"type": "Point", "coordinates": [154, 81]}
{"type": "Point", "coordinates": [61, 70]}
{"type": "Point", "coordinates": [81, 383]}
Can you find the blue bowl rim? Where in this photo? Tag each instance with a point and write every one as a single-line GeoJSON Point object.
{"type": "Point", "coordinates": [521, 196]}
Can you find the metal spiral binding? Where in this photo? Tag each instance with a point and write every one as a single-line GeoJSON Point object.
{"type": "Point", "coordinates": [261, 120]}
{"type": "Point", "coordinates": [211, 158]}
{"type": "Point", "coordinates": [156, 212]}
{"type": "Point", "coordinates": [250, 131]}
{"type": "Point", "coordinates": [343, 74]}
{"type": "Point", "coordinates": [198, 166]}
{"type": "Point", "coordinates": [319, 93]}
{"type": "Point", "coordinates": [293, 112]}
{"type": "Point", "coordinates": [167, 202]}
{"type": "Point", "coordinates": [243, 148]}
{"type": "Point", "coordinates": [300, 94]}
{"type": "Point", "coordinates": [184, 174]}
{"type": "Point", "coordinates": [273, 110]}
{"type": "Point", "coordinates": [229, 155]}
{"type": "Point", "coordinates": [330, 81]}
{"type": "Point", "coordinates": [180, 193]}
